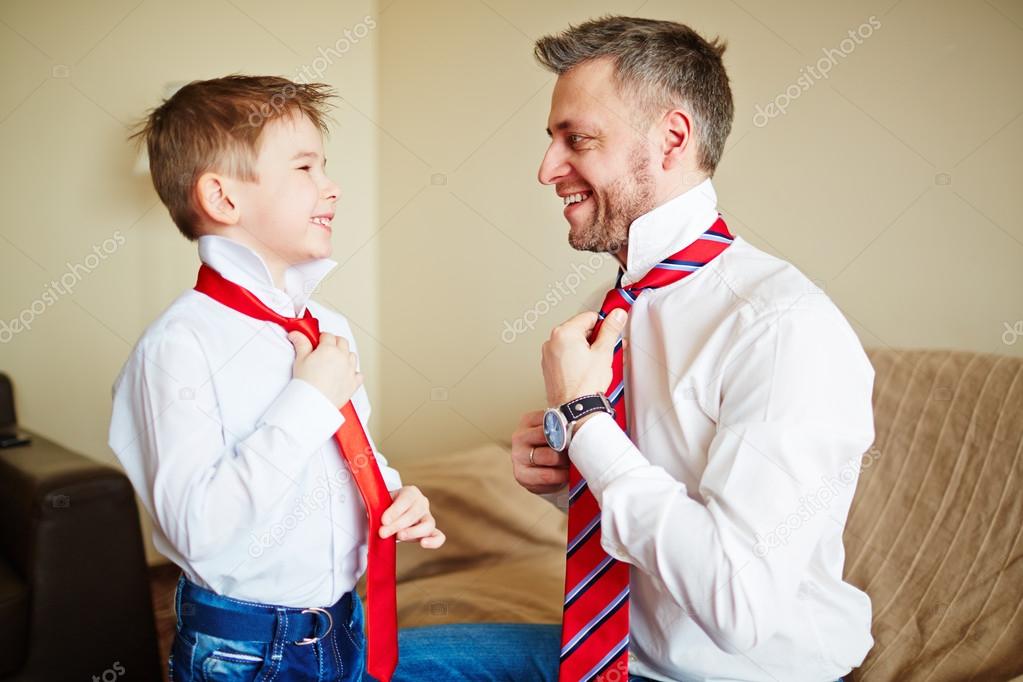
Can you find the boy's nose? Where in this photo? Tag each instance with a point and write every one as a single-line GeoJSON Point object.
{"type": "Point", "coordinates": [332, 192]}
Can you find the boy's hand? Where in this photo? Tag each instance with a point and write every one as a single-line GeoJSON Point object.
{"type": "Point", "coordinates": [409, 516]}
{"type": "Point", "coordinates": [330, 368]}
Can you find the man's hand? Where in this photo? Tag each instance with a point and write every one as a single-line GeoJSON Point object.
{"type": "Point", "coordinates": [571, 366]}
{"type": "Point", "coordinates": [548, 472]}
{"type": "Point", "coordinates": [409, 516]}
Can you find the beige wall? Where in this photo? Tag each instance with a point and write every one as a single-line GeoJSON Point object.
{"type": "Point", "coordinates": [892, 183]}
{"type": "Point", "coordinates": [76, 74]}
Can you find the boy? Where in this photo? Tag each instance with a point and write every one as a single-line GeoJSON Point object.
{"type": "Point", "coordinates": [230, 420]}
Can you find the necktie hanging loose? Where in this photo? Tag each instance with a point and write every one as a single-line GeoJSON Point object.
{"type": "Point", "coordinates": [381, 597]}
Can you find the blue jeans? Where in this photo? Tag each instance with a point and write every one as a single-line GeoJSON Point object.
{"type": "Point", "coordinates": [482, 651]}
{"type": "Point", "coordinates": [220, 638]}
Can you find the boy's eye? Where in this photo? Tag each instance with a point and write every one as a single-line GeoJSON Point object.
{"type": "Point", "coordinates": [305, 167]}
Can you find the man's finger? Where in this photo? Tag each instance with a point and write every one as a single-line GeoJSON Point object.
{"type": "Point", "coordinates": [541, 477]}
{"type": "Point", "coordinates": [532, 418]}
{"type": "Point", "coordinates": [546, 457]}
{"type": "Point", "coordinates": [610, 330]}
{"type": "Point", "coordinates": [583, 323]}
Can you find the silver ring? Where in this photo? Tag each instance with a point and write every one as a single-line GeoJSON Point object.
{"type": "Point", "coordinates": [531, 462]}
{"type": "Point", "coordinates": [330, 626]}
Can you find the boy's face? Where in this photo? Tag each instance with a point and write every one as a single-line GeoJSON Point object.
{"type": "Point", "coordinates": [286, 215]}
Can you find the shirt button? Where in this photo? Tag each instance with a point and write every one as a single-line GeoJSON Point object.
{"type": "Point", "coordinates": [632, 658]}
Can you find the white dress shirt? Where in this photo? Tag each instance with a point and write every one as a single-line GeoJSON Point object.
{"type": "Point", "coordinates": [749, 409]}
{"type": "Point", "coordinates": [232, 457]}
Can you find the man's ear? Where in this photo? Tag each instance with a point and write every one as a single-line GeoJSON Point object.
{"type": "Point", "coordinates": [215, 196]}
{"type": "Point", "coordinates": [677, 128]}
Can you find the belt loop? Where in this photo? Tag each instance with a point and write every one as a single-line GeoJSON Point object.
{"type": "Point", "coordinates": [177, 600]}
{"type": "Point", "coordinates": [280, 636]}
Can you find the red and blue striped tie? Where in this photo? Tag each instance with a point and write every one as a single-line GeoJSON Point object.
{"type": "Point", "coordinates": [595, 625]}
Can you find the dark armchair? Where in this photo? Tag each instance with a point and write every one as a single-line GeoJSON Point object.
{"type": "Point", "coordinates": [74, 590]}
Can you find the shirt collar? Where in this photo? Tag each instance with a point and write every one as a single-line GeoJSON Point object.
{"type": "Point", "coordinates": [243, 266]}
{"type": "Point", "coordinates": [669, 228]}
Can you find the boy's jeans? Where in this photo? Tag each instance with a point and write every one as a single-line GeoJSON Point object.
{"type": "Point", "coordinates": [220, 638]}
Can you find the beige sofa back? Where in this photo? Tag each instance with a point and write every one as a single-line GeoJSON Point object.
{"type": "Point", "coordinates": [934, 533]}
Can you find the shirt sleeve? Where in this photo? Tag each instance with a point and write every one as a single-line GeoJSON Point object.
{"type": "Point", "coordinates": [207, 487]}
{"type": "Point", "coordinates": [795, 415]}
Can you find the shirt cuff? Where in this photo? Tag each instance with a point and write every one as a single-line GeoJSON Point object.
{"type": "Point", "coordinates": [304, 414]}
{"type": "Point", "coordinates": [602, 452]}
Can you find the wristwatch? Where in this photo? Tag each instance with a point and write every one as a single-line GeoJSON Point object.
{"type": "Point", "coordinates": [559, 422]}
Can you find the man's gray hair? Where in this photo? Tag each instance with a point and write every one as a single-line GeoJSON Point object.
{"type": "Point", "coordinates": [663, 64]}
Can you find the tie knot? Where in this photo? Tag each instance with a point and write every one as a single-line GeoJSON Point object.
{"type": "Point", "coordinates": [306, 324]}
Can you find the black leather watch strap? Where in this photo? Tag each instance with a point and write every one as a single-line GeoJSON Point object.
{"type": "Point", "coordinates": [575, 410]}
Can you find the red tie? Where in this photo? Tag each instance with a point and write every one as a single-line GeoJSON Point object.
{"type": "Point", "coordinates": [381, 602]}
{"type": "Point", "coordinates": [595, 623]}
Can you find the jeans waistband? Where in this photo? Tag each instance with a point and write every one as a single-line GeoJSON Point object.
{"type": "Point", "coordinates": [205, 611]}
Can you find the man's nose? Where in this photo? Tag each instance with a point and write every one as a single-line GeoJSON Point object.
{"type": "Point", "coordinates": [552, 167]}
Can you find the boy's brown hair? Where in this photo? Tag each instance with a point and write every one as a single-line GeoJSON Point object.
{"type": "Point", "coordinates": [216, 125]}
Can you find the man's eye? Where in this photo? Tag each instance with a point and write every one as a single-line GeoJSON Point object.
{"type": "Point", "coordinates": [575, 139]}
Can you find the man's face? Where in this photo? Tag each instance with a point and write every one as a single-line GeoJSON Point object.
{"type": "Point", "coordinates": [287, 212]}
{"type": "Point", "coordinates": [598, 151]}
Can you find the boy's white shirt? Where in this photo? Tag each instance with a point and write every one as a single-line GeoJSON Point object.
{"type": "Point", "coordinates": [234, 458]}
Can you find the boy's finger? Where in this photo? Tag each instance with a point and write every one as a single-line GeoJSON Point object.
{"type": "Point", "coordinates": [410, 517]}
{"type": "Point", "coordinates": [433, 541]}
{"type": "Point", "coordinates": [418, 530]}
{"type": "Point", "coordinates": [300, 342]}
{"type": "Point", "coordinates": [402, 501]}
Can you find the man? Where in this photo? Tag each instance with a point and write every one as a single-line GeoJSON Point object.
{"type": "Point", "coordinates": [745, 389]}
{"type": "Point", "coordinates": [705, 513]}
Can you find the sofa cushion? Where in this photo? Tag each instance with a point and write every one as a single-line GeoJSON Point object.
{"type": "Point", "coordinates": [935, 532]}
{"type": "Point", "coordinates": [504, 557]}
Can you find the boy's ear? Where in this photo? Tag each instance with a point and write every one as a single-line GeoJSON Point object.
{"type": "Point", "coordinates": [214, 195]}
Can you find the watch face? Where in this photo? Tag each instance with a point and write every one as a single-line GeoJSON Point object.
{"type": "Point", "coordinates": [554, 430]}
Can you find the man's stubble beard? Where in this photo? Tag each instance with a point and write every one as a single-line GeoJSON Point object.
{"type": "Point", "coordinates": [628, 198]}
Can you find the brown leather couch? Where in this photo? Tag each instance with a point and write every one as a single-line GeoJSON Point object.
{"type": "Point", "coordinates": [74, 589]}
